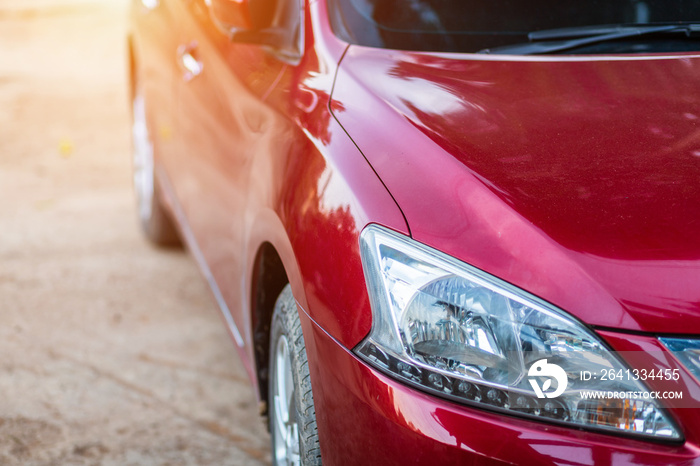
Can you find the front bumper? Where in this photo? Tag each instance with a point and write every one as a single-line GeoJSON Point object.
{"type": "Point", "coordinates": [366, 418]}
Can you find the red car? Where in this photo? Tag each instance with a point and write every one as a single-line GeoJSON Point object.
{"type": "Point", "coordinates": [439, 232]}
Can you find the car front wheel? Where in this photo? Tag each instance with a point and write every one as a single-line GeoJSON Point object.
{"type": "Point", "coordinates": [292, 414]}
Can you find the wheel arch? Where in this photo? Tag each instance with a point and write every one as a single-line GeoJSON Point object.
{"type": "Point", "coordinates": [268, 280]}
{"type": "Point", "coordinates": [273, 266]}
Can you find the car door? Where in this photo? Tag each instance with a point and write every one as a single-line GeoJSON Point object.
{"type": "Point", "coordinates": [223, 122]}
{"type": "Point", "coordinates": [152, 42]}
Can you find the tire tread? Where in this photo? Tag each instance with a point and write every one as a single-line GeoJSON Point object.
{"type": "Point", "coordinates": [286, 314]}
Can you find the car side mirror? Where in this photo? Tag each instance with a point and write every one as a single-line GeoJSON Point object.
{"type": "Point", "coordinates": [264, 22]}
{"type": "Point", "coordinates": [231, 14]}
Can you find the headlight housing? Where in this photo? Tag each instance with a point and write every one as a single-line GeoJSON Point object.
{"type": "Point", "coordinates": [455, 331]}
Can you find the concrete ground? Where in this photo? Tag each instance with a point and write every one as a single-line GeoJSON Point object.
{"type": "Point", "coordinates": [111, 351]}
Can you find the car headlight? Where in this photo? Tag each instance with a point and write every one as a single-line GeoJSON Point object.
{"type": "Point", "coordinates": [455, 331]}
{"type": "Point", "coordinates": [687, 351]}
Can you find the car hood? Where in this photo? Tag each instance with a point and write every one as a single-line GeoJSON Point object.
{"type": "Point", "coordinates": [575, 178]}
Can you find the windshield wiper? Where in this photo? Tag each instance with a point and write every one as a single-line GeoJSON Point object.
{"type": "Point", "coordinates": [560, 40]}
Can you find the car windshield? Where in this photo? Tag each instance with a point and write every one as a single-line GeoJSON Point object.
{"type": "Point", "coordinates": [476, 25]}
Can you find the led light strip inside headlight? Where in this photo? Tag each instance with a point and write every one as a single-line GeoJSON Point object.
{"type": "Point", "coordinates": [457, 332]}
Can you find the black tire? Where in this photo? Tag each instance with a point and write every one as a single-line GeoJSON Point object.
{"type": "Point", "coordinates": [286, 328]}
{"type": "Point", "coordinates": [154, 218]}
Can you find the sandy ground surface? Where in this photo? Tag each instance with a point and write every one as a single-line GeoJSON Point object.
{"type": "Point", "coordinates": [111, 352]}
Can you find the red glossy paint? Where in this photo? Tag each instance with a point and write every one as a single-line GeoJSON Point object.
{"type": "Point", "coordinates": [575, 179]}
{"type": "Point", "coordinates": [256, 157]}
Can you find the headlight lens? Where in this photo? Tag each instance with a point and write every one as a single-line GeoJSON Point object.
{"type": "Point", "coordinates": [687, 351]}
{"type": "Point", "coordinates": [458, 332]}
